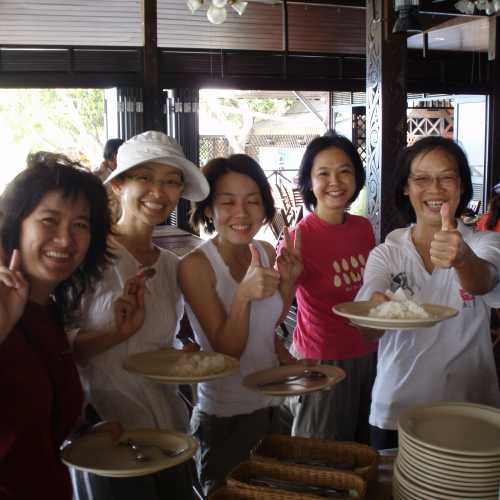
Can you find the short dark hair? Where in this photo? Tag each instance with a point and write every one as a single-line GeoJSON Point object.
{"type": "Point", "coordinates": [403, 169]}
{"type": "Point", "coordinates": [49, 172]}
{"type": "Point", "coordinates": [111, 148]}
{"type": "Point", "coordinates": [330, 140]}
{"type": "Point", "coordinates": [217, 168]}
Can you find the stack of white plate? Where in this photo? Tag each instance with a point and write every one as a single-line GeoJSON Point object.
{"type": "Point", "coordinates": [448, 451]}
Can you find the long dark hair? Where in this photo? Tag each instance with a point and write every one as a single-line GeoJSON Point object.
{"type": "Point", "coordinates": [49, 172]}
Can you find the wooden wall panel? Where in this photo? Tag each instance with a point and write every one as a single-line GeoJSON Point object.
{"type": "Point", "coordinates": [259, 28]}
{"type": "Point", "coordinates": [312, 28]}
{"type": "Point", "coordinates": [75, 22]}
{"type": "Point", "coordinates": [326, 29]}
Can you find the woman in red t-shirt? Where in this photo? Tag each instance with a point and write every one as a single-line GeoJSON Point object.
{"type": "Point", "coordinates": [54, 223]}
{"type": "Point", "coordinates": [334, 249]}
{"type": "Point", "coordinates": [490, 221]}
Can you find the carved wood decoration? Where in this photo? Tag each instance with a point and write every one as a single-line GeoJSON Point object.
{"type": "Point", "coordinates": [493, 124]}
{"type": "Point", "coordinates": [385, 112]}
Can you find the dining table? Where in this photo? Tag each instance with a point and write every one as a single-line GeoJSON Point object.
{"type": "Point", "coordinates": [175, 239]}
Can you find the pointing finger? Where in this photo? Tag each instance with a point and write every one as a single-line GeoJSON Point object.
{"type": "Point", "coordinates": [15, 260]}
{"type": "Point", "coordinates": [297, 242]}
{"type": "Point", "coordinates": [288, 240]}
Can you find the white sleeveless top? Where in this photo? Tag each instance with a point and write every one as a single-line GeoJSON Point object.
{"type": "Point", "coordinates": [116, 394]}
{"type": "Point", "coordinates": [226, 397]}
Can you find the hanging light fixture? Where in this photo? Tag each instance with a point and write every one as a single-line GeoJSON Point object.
{"type": "Point", "coordinates": [407, 21]}
{"type": "Point", "coordinates": [216, 12]}
{"type": "Point", "coordinates": [194, 5]}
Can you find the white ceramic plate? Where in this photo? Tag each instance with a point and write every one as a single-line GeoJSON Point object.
{"type": "Point", "coordinates": [422, 491]}
{"type": "Point", "coordinates": [158, 366]}
{"type": "Point", "coordinates": [96, 453]}
{"type": "Point", "coordinates": [358, 313]}
{"type": "Point", "coordinates": [449, 467]}
{"type": "Point", "coordinates": [297, 387]}
{"type": "Point", "coordinates": [438, 478]}
{"type": "Point", "coordinates": [473, 463]}
{"type": "Point", "coordinates": [462, 476]}
{"type": "Point", "coordinates": [463, 429]}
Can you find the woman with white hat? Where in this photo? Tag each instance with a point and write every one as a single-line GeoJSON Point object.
{"type": "Point", "coordinates": [152, 174]}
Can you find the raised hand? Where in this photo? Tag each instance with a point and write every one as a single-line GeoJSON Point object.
{"type": "Point", "coordinates": [14, 292]}
{"type": "Point", "coordinates": [448, 248]}
{"type": "Point", "coordinates": [259, 282]}
{"type": "Point", "coordinates": [129, 308]}
{"type": "Point", "coordinates": [289, 262]}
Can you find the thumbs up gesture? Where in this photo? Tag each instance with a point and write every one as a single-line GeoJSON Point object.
{"type": "Point", "coordinates": [14, 291]}
{"type": "Point", "coordinates": [259, 282]}
{"type": "Point", "coordinates": [448, 248]}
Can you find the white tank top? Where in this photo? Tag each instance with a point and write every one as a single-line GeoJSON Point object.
{"type": "Point", "coordinates": [226, 397]}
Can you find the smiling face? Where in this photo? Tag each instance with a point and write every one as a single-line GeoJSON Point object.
{"type": "Point", "coordinates": [53, 242]}
{"type": "Point", "coordinates": [434, 179]}
{"type": "Point", "coordinates": [149, 193]}
{"type": "Point", "coordinates": [333, 182]}
{"type": "Point", "coordinates": [237, 209]}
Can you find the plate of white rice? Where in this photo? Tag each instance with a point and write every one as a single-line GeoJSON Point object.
{"type": "Point", "coordinates": [172, 366]}
{"type": "Point", "coordinates": [394, 315]}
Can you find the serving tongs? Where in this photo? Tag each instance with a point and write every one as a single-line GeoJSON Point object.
{"type": "Point", "coordinates": [283, 484]}
{"type": "Point", "coordinates": [306, 374]}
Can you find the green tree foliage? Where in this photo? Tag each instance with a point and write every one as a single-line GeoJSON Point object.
{"type": "Point", "coordinates": [70, 121]}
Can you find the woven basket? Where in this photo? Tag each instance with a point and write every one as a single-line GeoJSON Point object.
{"type": "Point", "coordinates": [255, 493]}
{"type": "Point", "coordinates": [315, 476]}
{"type": "Point", "coordinates": [364, 459]}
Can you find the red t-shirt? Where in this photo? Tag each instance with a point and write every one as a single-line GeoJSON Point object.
{"type": "Point", "coordinates": [40, 399]}
{"type": "Point", "coordinates": [481, 224]}
{"type": "Point", "coordinates": [334, 257]}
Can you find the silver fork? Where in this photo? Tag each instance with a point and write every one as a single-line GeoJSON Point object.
{"type": "Point", "coordinates": [166, 452]}
{"type": "Point", "coordinates": [138, 454]}
{"type": "Point", "coordinates": [306, 374]}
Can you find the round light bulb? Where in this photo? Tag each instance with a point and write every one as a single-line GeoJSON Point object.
{"type": "Point", "coordinates": [219, 3]}
{"type": "Point", "coordinates": [216, 15]}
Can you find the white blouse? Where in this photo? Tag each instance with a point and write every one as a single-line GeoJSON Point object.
{"type": "Point", "coordinates": [115, 393]}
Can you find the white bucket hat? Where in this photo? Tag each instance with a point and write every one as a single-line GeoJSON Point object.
{"type": "Point", "coordinates": [161, 148]}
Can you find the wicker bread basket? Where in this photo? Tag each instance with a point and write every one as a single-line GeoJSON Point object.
{"type": "Point", "coordinates": [314, 476]}
{"type": "Point", "coordinates": [256, 493]}
{"type": "Point", "coordinates": [362, 458]}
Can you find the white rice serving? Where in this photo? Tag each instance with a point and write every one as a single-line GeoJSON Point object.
{"type": "Point", "coordinates": [197, 365]}
{"type": "Point", "coordinates": [393, 309]}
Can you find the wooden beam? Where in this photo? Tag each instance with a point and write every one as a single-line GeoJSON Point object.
{"type": "Point", "coordinates": [153, 108]}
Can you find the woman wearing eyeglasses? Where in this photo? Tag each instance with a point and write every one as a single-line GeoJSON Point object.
{"type": "Point", "coordinates": [440, 261]}
{"type": "Point", "coordinates": [151, 176]}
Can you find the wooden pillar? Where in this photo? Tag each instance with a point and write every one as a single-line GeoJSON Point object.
{"type": "Point", "coordinates": [386, 62]}
{"type": "Point", "coordinates": [153, 105]}
{"type": "Point", "coordinates": [492, 171]}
